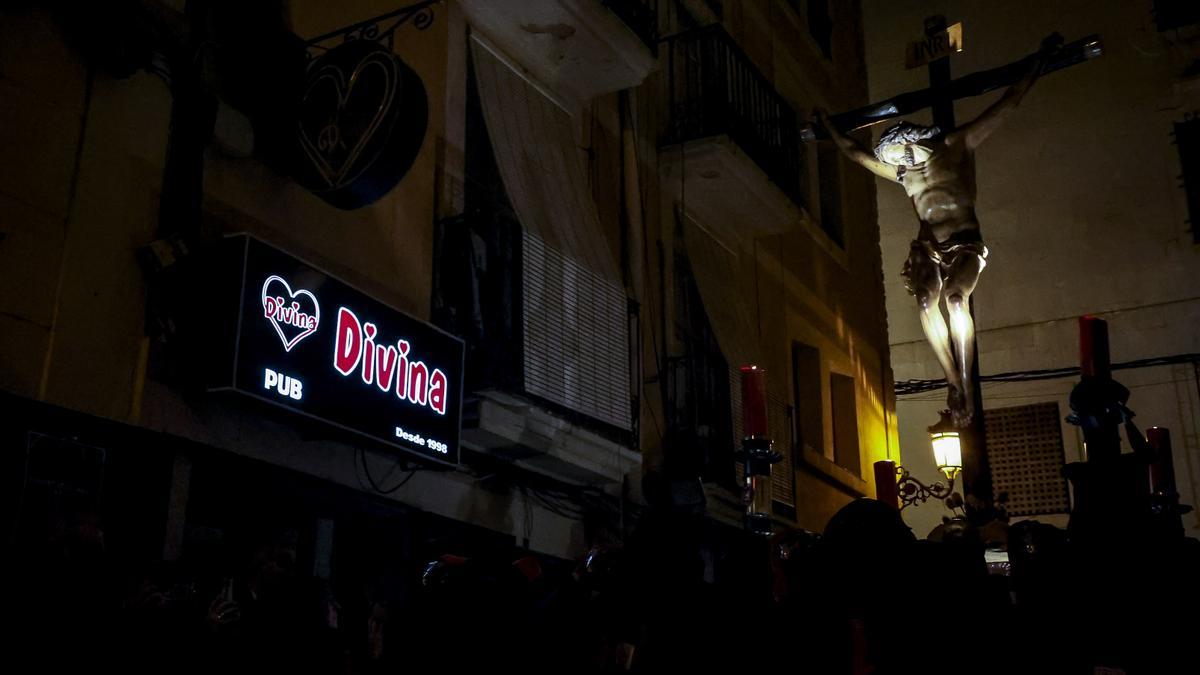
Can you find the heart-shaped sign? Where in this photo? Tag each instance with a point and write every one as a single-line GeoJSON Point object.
{"type": "Point", "coordinates": [294, 314]}
{"type": "Point", "coordinates": [362, 120]}
{"type": "Point", "coordinates": [357, 104]}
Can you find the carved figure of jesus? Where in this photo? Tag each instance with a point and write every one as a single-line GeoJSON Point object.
{"type": "Point", "coordinates": [937, 170]}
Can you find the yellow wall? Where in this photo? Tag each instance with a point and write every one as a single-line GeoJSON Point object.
{"type": "Point", "coordinates": [72, 305]}
{"type": "Point", "coordinates": [832, 298]}
{"type": "Point", "coordinates": [798, 285]}
{"type": "Point", "coordinates": [72, 297]}
{"type": "Point", "coordinates": [72, 309]}
{"type": "Point", "coordinates": [41, 106]}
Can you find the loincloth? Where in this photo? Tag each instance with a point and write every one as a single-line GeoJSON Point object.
{"type": "Point", "coordinates": [943, 253]}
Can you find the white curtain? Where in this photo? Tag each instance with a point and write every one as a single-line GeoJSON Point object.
{"type": "Point", "coordinates": [541, 163]}
{"type": "Point", "coordinates": [718, 274]}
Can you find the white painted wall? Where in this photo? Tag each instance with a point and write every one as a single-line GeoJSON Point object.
{"type": "Point", "coordinates": [1081, 210]}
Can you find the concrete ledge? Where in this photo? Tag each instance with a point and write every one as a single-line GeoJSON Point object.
{"type": "Point", "coordinates": [577, 48]}
{"type": "Point", "coordinates": [820, 465]}
{"type": "Point", "coordinates": [532, 438]}
{"type": "Point", "coordinates": [715, 177]}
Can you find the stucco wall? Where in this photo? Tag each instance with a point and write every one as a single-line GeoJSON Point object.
{"type": "Point", "coordinates": [79, 192]}
{"type": "Point", "coordinates": [801, 286]}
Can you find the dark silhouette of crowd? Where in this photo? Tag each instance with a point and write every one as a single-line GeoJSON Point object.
{"type": "Point", "coordinates": [865, 596]}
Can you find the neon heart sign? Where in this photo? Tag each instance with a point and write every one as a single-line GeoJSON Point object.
{"type": "Point", "coordinates": [288, 313]}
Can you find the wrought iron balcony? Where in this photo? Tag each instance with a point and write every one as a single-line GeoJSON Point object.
{"type": "Point", "coordinates": [477, 289]}
{"type": "Point", "coordinates": [699, 416]}
{"type": "Point", "coordinates": [714, 89]}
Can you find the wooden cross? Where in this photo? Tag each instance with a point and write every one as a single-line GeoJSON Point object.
{"type": "Point", "coordinates": [940, 96]}
{"type": "Point", "coordinates": [943, 91]}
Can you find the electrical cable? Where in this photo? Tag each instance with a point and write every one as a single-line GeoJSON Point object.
{"type": "Point", "coordinates": [658, 374]}
{"type": "Point", "coordinates": [908, 387]}
{"type": "Point", "coordinates": [362, 454]}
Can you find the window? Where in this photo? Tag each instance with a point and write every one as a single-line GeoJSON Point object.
{"type": "Point", "coordinates": [783, 473]}
{"type": "Point", "coordinates": [573, 323]}
{"type": "Point", "coordinates": [1025, 451]}
{"type": "Point", "coordinates": [1187, 138]}
{"type": "Point", "coordinates": [639, 15]}
{"type": "Point", "coordinates": [845, 423]}
{"type": "Point", "coordinates": [1172, 14]}
{"type": "Point", "coordinates": [829, 178]}
{"type": "Point", "coordinates": [820, 26]}
{"type": "Point", "coordinates": [63, 474]}
{"type": "Point", "coordinates": [698, 386]}
{"type": "Point", "coordinates": [537, 320]}
{"type": "Point", "coordinates": [809, 415]}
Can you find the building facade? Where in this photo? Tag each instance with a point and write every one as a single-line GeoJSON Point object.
{"type": "Point", "coordinates": [610, 208]}
{"type": "Point", "coordinates": [781, 273]}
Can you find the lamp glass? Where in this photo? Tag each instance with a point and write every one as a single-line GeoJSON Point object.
{"type": "Point", "coordinates": [947, 452]}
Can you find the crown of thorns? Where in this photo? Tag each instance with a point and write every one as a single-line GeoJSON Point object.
{"type": "Point", "coordinates": [903, 134]}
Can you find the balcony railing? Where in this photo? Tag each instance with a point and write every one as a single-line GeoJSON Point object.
{"type": "Point", "coordinates": [714, 89]}
{"type": "Point", "coordinates": [477, 295]}
{"type": "Point", "coordinates": [698, 409]}
{"type": "Point", "coordinates": [640, 15]}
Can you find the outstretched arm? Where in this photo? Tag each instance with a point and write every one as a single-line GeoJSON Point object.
{"type": "Point", "coordinates": [974, 132]}
{"type": "Point", "coordinates": [853, 150]}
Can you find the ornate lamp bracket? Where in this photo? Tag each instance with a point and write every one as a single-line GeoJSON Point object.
{"type": "Point", "coordinates": [913, 491]}
{"type": "Point", "coordinates": [381, 29]}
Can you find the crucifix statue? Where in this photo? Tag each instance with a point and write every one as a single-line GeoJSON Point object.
{"type": "Point", "coordinates": [936, 168]}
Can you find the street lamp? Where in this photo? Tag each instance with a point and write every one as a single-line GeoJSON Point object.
{"type": "Point", "coordinates": [947, 451]}
{"type": "Point", "coordinates": [947, 454]}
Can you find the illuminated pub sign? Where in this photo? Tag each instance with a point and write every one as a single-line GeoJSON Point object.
{"type": "Point", "coordinates": [297, 338]}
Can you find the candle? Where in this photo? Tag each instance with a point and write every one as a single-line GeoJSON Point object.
{"type": "Point", "coordinates": [886, 489]}
{"type": "Point", "coordinates": [754, 402]}
{"type": "Point", "coordinates": [1093, 347]}
{"type": "Point", "coordinates": [1162, 469]}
